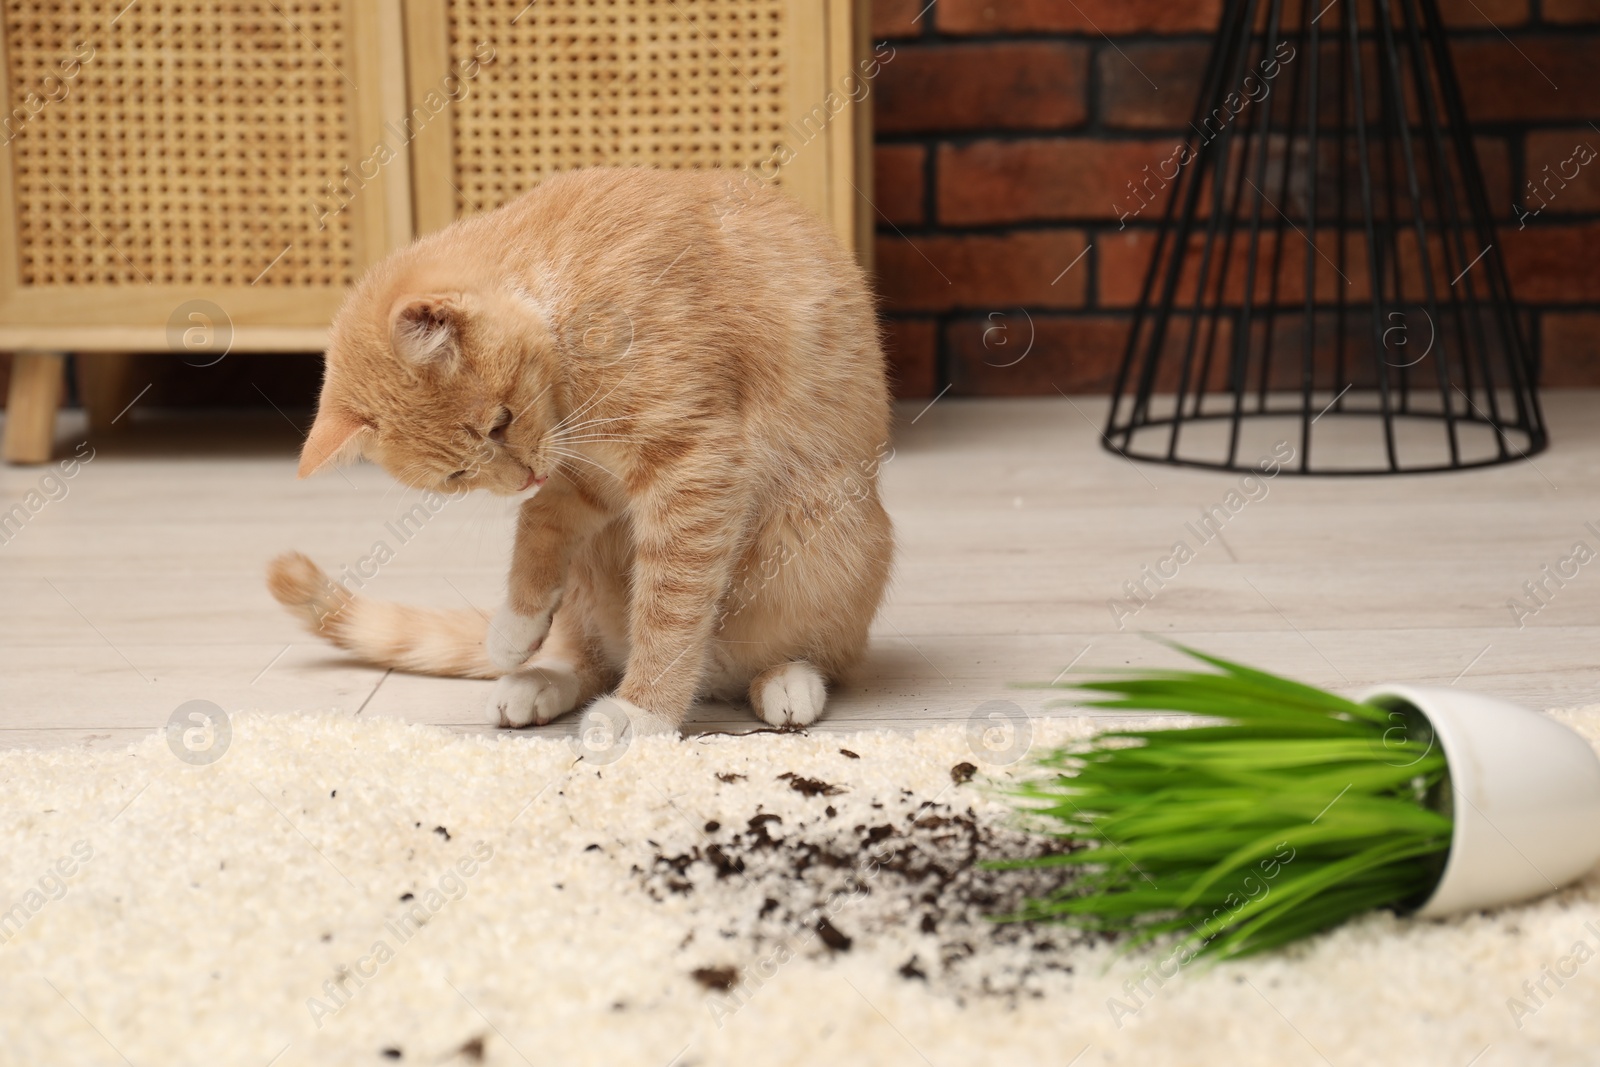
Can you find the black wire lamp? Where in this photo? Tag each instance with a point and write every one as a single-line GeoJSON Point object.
{"type": "Point", "coordinates": [1326, 255]}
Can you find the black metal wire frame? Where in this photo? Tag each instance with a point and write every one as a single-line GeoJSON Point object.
{"type": "Point", "coordinates": [1406, 225]}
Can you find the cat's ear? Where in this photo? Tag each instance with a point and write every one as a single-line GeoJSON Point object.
{"type": "Point", "coordinates": [426, 330]}
{"type": "Point", "coordinates": [335, 439]}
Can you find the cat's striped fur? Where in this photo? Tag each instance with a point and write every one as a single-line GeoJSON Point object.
{"type": "Point", "coordinates": [686, 384]}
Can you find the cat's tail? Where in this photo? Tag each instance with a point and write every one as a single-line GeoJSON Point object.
{"type": "Point", "coordinates": [420, 640]}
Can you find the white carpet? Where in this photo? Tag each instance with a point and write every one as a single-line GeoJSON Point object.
{"type": "Point", "coordinates": [219, 905]}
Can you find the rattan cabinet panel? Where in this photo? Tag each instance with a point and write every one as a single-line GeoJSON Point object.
{"type": "Point", "coordinates": [165, 152]}
{"type": "Point", "coordinates": [525, 90]}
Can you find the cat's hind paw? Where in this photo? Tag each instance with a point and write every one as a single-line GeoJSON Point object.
{"type": "Point", "coordinates": [790, 694]}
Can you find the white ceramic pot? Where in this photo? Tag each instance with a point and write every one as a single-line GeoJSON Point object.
{"type": "Point", "coordinates": [1524, 794]}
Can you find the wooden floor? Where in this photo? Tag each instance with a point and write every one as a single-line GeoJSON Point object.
{"type": "Point", "coordinates": [141, 587]}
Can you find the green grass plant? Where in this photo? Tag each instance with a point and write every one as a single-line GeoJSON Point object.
{"type": "Point", "coordinates": [1287, 811]}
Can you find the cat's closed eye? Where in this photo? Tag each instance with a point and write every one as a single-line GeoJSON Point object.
{"type": "Point", "coordinates": [497, 431]}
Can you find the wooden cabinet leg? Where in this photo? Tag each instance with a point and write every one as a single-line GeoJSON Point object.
{"type": "Point", "coordinates": [36, 382]}
{"type": "Point", "coordinates": [105, 387]}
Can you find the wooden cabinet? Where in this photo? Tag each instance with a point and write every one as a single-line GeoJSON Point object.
{"type": "Point", "coordinates": [205, 176]}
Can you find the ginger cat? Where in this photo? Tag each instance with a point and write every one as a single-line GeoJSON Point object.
{"type": "Point", "coordinates": [682, 380]}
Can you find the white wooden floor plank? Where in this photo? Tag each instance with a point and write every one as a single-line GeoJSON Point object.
{"type": "Point", "coordinates": [139, 585]}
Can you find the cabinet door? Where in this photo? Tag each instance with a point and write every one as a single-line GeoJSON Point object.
{"type": "Point", "coordinates": [506, 92]}
{"type": "Point", "coordinates": [195, 170]}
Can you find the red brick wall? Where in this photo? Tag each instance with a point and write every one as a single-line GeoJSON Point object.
{"type": "Point", "coordinates": [1007, 129]}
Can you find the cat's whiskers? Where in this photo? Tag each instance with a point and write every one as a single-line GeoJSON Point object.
{"type": "Point", "coordinates": [562, 447]}
{"type": "Point", "coordinates": [565, 445]}
{"type": "Point", "coordinates": [530, 403]}
{"type": "Point", "coordinates": [588, 423]}
{"type": "Point", "coordinates": [590, 404]}
{"type": "Point", "coordinates": [596, 437]}
{"type": "Point", "coordinates": [589, 429]}
{"type": "Point", "coordinates": [576, 412]}
{"type": "Point", "coordinates": [580, 456]}
{"type": "Point", "coordinates": [609, 418]}
{"type": "Point", "coordinates": [555, 439]}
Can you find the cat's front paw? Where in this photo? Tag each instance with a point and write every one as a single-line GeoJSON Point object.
{"type": "Point", "coordinates": [610, 724]}
{"type": "Point", "coordinates": [534, 696]}
{"type": "Point", "coordinates": [513, 636]}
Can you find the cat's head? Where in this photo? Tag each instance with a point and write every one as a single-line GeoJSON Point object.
{"type": "Point", "coordinates": [444, 381]}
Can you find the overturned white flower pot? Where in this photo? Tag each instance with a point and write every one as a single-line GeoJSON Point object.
{"type": "Point", "coordinates": [1524, 796]}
